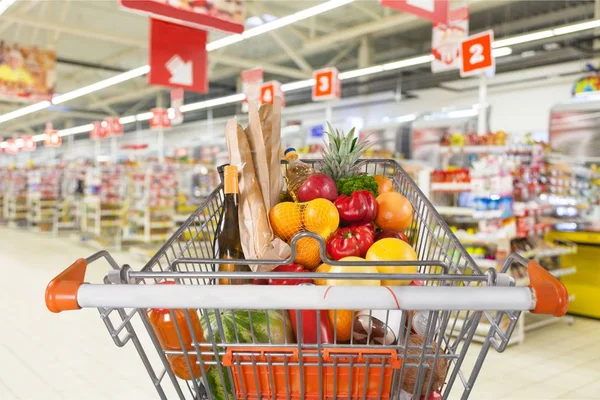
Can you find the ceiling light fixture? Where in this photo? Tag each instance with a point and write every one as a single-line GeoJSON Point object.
{"type": "Point", "coordinates": [530, 37]}
{"type": "Point", "coordinates": [501, 52]}
{"type": "Point", "coordinates": [4, 4]}
{"type": "Point", "coordinates": [582, 26]}
{"type": "Point", "coordinates": [234, 98]}
{"type": "Point", "coordinates": [24, 111]}
{"type": "Point", "coordinates": [76, 129]}
{"type": "Point", "coordinates": [276, 24]}
{"type": "Point", "coordinates": [125, 76]}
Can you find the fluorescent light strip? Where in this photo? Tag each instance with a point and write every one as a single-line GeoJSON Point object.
{"type": "Point", "coordinates": [25, 110]}
{"type": "Point", "coordinates": [4, 4]}
{"type": "Point", "coordinates": [127, 120]}
{"type": "Point", "coordinates": [76, 129]}
{"type": "Point", "coordinates": [288, 87]}
{"type": "Point", "coordinates": [214, 45]}
{"type": "Point", "coordinates": [144, 116]}
{"type": "Point", "coordinates": [564, 30]}
{"type": "Point", "coordinates": [408, 62]}
{"type": "Point", "coordinates": [125, 76]}
{"type": "Point", "coordinates": [276, 24]}
{"type": "Point", "coordinates": [361, 72]}
{"type": "Point", "coordinates": [530, 37]}
{"type": "Point", "coordinates": [501, 52]}
{"type": "Point", "coordinates": [234, 98]}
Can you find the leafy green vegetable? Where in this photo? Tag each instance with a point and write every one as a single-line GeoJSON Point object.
{"type": "Point", "coordinates": [359, 182]}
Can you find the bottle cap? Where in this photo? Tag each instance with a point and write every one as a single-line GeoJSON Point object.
{"type": "Point", "coordinates": [221, 168]}
{"type": "Point", "coordinates": [230, 170]}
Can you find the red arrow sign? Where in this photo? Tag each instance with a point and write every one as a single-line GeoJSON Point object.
{"type": "Point", "coordinates": [177, 56]}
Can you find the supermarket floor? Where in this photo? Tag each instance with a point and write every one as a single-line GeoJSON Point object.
{"type": "Point", "coordinates": [71, 355]}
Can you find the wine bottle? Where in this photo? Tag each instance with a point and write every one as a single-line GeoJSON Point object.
{"type": "Point", "coordinates": [230, 246]}
{"type": "Point", "coordinates": [221, 172]}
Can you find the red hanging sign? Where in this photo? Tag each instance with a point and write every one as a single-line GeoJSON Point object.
{"type": "Point", "coordinates": [270, 90]}
{"type": "Point", "coordinates": [327, 85]}
{"type": "Point", "coordinates": [433, 10]}
{"type": "Point", "coordinates": [252, 80]}
{"type": "Point", "coordinates": [226, 16]}
{"type": "Point", "coordinates": [176, 103]}
{"type": "Point", "coordinates": [178, 56]}
{"type": "Point", "coordinates": [11, 147]}
{"type": "Point", "coordinates": [28, 143]}
{"type": "Point", "coordinates": [477, 54]}
{"type": "Point", "coordinates": [98, 132]}
{"type": "Point", "coordinates": [112, 126]}
{"type": "Point", "coordinates": [53, 139]}
{"type": "Point", "coordinates": [446, 40]}
{"type": "Point", "coordinates": [160, 119]}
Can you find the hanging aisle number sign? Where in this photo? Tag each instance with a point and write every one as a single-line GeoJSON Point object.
{"type": "Point", "coordinates": [476, 53]}
{"type": "Point", "coordinates": [270, 90]}
{"type": "Point", "coordinates": [327, 85]}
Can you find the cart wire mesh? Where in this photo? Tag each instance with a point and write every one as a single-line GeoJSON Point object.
{"type": "Point", "coordinates": [253, 354]}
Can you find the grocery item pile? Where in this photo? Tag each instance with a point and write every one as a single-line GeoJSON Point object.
{"type": "Point", "coordinates": [352, 216]}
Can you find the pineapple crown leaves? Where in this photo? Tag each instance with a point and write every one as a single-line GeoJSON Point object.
{"type": "Point", "coordinates": [341, 155]}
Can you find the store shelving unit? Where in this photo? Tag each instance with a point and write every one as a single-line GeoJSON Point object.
{"type": "Point", "coordinates": [42, 197]}
{"type": "Point", "coordinates": [152, 204]}
{"type": "Point", "coordinates": [70, 202]}
{"type": "Point", "coordinates": [3, 189]}
{"type": "Point", "coordinates": [15, 201]}
{"type": "Point", "coordinates": [500, 231]}
{"type": "Point", "coordinates": [104, 207]}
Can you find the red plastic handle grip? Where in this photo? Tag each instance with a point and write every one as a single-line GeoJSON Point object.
{"type": "Point", "coordinates": [61, 292]}
{"type": "Point", "coordinates": [551, 295]}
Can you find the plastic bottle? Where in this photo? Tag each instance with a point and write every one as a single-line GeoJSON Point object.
{"type": "Point", "coordinates": [297, 172]}
{"type": "Point", "coordinates": [163, 325]}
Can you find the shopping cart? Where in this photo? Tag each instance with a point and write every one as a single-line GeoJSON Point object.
{"type": "Point", "coordinates": [245, 351]}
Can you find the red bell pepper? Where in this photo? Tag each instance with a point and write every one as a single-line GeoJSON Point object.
{"type": "Point", "coordinates": [289, 281]}
{"type": "Point", "coordinates": [360, 208]}
{"type": "Point", "coordinates": [391, 234]}
{"type": "Point", "coordinates": [351, 241]}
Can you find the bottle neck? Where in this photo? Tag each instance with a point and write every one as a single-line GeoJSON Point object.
{"type": "Point", "coordinates": [230, 184]}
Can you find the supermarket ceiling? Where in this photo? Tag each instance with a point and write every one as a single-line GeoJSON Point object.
{"type": "Point", "coordinates": [95, 40]}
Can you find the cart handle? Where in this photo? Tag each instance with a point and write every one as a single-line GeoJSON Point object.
{"type": "Point", "coordinates": [545, 295]}
{"type": "Point", "coordinates": [61, 292]}
{"type": "Point", "coordinates": [550, 294]}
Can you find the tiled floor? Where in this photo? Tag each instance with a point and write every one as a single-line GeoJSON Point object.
{"type": "Point", "coordinates": [71, 356]}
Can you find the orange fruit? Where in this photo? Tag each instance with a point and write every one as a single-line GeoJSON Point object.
{"type": "Point", "coordinates": [341, 323]}
{"type": "Point", "coordinates": [322, 268]}
{"type": "Point", "coordinates": [307, 252]}
{"type": "Point", "coordinates": [320, 216]}
{"type": "Point", "coordinates": [357, 269]}
{"type": "Point", "coordinates": [394, 212]}
{"type": "Point", "coordinates": [384, 184]}
{"type": "Point", "coordinates": [286, 219]}
{"type": "Point", "coordinates": [391, 249]}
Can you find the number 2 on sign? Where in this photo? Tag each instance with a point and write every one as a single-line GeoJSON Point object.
{"type": "Point", "coordinates": [477, 56]}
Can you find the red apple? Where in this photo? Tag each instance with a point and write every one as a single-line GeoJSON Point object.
{"type": "Point", "coordinates": [317, 186]}
{"type": "Point", "coordinates": [391, 234]}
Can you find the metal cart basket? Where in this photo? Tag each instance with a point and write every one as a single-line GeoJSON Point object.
{"type": "Point", "coordinates": [239, 342]}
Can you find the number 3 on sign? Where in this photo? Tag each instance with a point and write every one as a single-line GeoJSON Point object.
{"type": "Point", "coordinates": [477, 54]}
{"type": "Point", "coordinates": [326, 85]}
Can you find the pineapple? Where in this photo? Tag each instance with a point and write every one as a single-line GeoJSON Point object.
{"type": "Point", "coordinates": [341, 154]}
